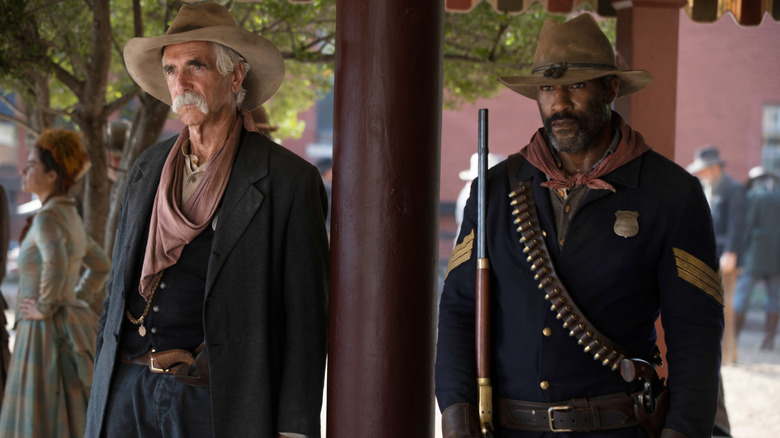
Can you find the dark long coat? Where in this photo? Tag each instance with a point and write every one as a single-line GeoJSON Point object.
{"type": "Point", "coordinates": [265, 307]}
{"type": "Point", "coordinates": [728, 215]}
{"type": "Point", "coordinates": [762, 233]}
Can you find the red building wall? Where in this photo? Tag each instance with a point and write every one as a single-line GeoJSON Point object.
{"type": "Point", "coordinates": [727, 73]}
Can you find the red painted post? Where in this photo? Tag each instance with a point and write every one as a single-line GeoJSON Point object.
{"type": "Point", "coordinates": [384, 229]}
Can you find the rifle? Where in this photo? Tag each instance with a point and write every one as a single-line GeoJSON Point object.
{"type": "Point", "coordinates": [483, 286]}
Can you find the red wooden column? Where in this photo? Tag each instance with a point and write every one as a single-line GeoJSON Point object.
{"type": "Point", "coordinates": [387, 133]}
{"type": "Point", "coordinates": [647, 39]}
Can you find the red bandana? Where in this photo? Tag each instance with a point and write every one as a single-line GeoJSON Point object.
{"type": "Point", "coordinates": [538, 153]}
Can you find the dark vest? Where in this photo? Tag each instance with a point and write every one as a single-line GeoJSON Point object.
{"type": "Point", "coordinates": [175, 318]}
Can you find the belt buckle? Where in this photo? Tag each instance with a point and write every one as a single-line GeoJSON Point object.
{"type": "Point", "coordinates": [152, 366]}
{"type": "Point", "coordinates": [550, 411]}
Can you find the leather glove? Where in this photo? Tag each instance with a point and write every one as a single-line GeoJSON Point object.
{"type": "Point", "coordinates": [460, 421]}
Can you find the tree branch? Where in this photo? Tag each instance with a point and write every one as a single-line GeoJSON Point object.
{"type": "Point", "coordinates": [21, 123]}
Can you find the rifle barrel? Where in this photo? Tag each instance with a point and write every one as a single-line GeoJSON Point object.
{"type": "Point", "coordinates": [483, 285]}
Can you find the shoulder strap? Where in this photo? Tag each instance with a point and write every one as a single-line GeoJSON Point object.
{"type": "Point", "coordinates": [595, 343]}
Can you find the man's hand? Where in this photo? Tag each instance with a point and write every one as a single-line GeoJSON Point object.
{"type": "Point", "coordinates": [460, 421]}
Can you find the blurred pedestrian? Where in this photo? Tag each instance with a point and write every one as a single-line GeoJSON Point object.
{"type": "Point", "coordinates": [51, 367]}
{"type": "Point", "coordinates": [761, 252]}
{"type": "Point", "coordinates": [726, 198]}
{"type": "Point", "coordinates": [5, 353]}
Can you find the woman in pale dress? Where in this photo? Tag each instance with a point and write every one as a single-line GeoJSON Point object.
{"type": "Point", "coordinates": [51, 366]}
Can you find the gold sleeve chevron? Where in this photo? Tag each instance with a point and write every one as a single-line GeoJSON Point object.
{"type": "Point", "coordinates": [696, 272]}
{"type": "Point", "coordinates": [461, 253]}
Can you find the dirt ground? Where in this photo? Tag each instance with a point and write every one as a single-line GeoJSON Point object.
{"type": "Point", "coordinates": [752, 386]}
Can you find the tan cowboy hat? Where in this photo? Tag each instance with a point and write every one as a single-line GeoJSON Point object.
{"type": "Point", "coordinates": [571, 52]}
{"type": "Point", "coordinates": [207, 22]}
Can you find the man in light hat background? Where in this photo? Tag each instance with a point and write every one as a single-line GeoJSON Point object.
{"type": "Point", "coordinates": [468, 176]}
{"type": "Point", "coordinates": [215, 322]}
{"type": "Point", "coordinates": [726, 197]}
{"type": "Point", "coordinates": [761, 252]}
{"type": "Point", "coordinates": [628, 236]}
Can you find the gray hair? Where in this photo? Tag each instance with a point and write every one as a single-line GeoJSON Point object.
{"type": "Point", "coordinates": [227, 59]}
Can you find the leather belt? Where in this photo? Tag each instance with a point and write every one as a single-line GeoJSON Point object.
{"type": "Point", "coordinates": [167, 361]}
{"type": "Point", "coordinates": [612, 411]}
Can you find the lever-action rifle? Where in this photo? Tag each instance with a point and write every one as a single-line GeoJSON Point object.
{"type": "Point", "coordinates": [483, 286]}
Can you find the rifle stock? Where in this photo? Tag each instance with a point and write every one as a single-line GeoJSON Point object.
{"type": "Point", "coordinates": [483, 286]}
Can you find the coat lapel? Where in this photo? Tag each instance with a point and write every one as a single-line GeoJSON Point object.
{"type": "Point", "coordinates": [241, 201]}
{"type": "Point", "coordinates": [141, 192]}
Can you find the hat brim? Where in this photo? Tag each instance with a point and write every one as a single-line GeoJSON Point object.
{"type": "Point", "coordinates": [698, 165]}
{"type": "Point", "coordinates": [630, 81]}
{"type": "Point", "coordinates": [467, 175]}
{"type": "Point", "coordinates": [143, 59]}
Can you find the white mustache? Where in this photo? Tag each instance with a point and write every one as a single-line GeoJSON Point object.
{"type": "Point", "coordinates": [190, 98]}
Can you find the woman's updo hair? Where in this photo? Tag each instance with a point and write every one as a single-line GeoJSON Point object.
{"type": "Point", "coordinates": [61, 150]}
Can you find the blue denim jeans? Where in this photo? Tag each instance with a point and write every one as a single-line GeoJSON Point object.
{"type": "Point", "coordinates": [151, 405]}
{"type": "Point", "coordinates": [745, 285]}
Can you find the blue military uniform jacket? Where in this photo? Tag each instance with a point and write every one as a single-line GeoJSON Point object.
{"type": "Point", "coordinates": [621, 284]}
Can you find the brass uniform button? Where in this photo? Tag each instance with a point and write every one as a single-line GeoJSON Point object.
{"type": "Point", "coordinates": [567, 208]}
{"type": "Point", "coordinates": [561, 242]}
{"type": "Point", "coordinates": [561, 193]}
{"type": "Point", "coordinates": [547, 331]}
{"type": "Point", "coordinates": [544, 233]}
{"type": "Point", "coordinates": [544, 385]}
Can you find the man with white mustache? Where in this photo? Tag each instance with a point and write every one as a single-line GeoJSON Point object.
{"type": "Point", "coordinates": [190, 98]}
{"type": "Point", "coordinates": [215, 321]}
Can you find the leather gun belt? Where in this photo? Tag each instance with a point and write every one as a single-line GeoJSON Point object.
{"type": "Point", "coordinates": [612, 411]}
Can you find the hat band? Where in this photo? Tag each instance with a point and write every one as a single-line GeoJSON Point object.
{"type": "Point", "coordinates": [555, 71]}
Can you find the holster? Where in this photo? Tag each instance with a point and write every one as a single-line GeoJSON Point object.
{"type": "Point", "coordinates": [460, 421]}
{"type": "Point", "coordinates": [653, 422]}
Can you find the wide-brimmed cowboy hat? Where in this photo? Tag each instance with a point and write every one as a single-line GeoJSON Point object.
{"type": "Point", "coordinates": [704, 157]}
{"type": "Point", "coordinates": [207, 22]}
{"type": "Point", "coordinates": [473, 170]}
{"type": "Point", "coordinates": [760, 172]}
{"type": "Point", "coordinates": [571, 52]}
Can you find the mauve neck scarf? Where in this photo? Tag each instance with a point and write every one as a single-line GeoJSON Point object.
{"type": "Point", "coordinates": [172, 225]}
{"type": "Point", "coordinates": [538, 153]}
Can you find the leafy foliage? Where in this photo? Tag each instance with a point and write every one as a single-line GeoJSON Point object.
{"type": "Point", "coordinates": [479, 46]}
